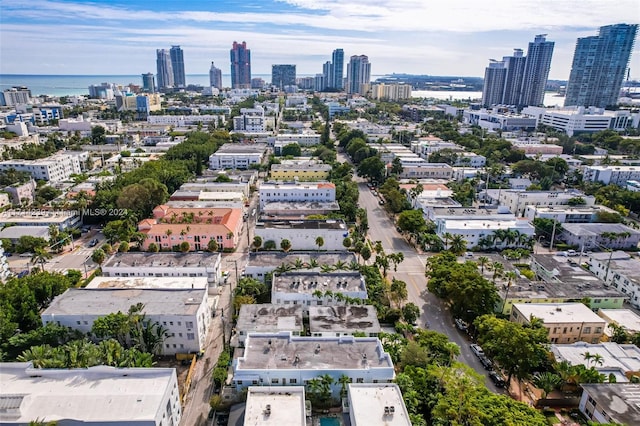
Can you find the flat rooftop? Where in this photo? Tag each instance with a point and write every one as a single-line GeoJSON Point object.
{"type": "Point", "coordinates": [596, 229]}
{"type": "Point", "coordinates": [162, 260]}
{"type": "Point", "coordinates": [279, 352]}
{"type": "Point", "coordinates": [277, 258]}
{"type": "Point", "coordinates": [571, 278]}
{"type": "Point", "coordinates": [94, 395]}
{"type": "Point", "coordinates": [272, 185]}
{"type": "Point", "coordinates": [300, 166]}
{"type": "Point", "coordinates": [300, 206]}
{"type": "Point", "coordinates": [311, 281]}
{"type": "Point", "coordinates": [369, 402]}
{"type": "Point", "coordinates": [301, 224]}
{"type": "Point", "coordinates": [621, 401]}
{"type": "Point", "coordinates": [31, 216]}
{"type": "Point", "coordinates": [554, 313]}
{"type": "Point", "coordinates": [275, 405]}
{"type": "Point", "coordinates": [623, 317]}
{"type": "Point", "coordinates": [343, 319]}
{"type": "Point", "coordinates": [623, 357]}
{"type": "Point", "coordinates": [486, 223]}
{"type": "Point", "coordinates": [270, 318]}
{"type": "Point", "coordinates": [241, 148]}
{"type": "Point", "coordinates": [103, 301]}
{"type": "Point", "coordinates": [148, 282]}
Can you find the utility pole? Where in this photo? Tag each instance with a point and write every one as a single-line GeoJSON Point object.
{"type": "Point", "coordinates": [553, 234]}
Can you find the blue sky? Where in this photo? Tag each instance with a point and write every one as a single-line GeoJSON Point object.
{"type": "Point", "coordinates": [437, 37]}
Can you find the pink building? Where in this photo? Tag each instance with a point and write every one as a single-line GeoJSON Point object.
{"type": "Point", "coordinates": [538, 148]}
{"type": "Point", "coordinates": [172, 226]}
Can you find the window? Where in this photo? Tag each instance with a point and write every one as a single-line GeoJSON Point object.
{"type": "Point", "coordinates": [189, 324]}
{"type": "Point", "coordinates": [274, 381]}
{"type": "Point", "coordinates": [359, 380]}
{"type": "Point", "coordinates": [587, 330]}
{"type": "Point", "coordinates": [191, 336]}
{"type": "Point", "coordinates": [293, 381]}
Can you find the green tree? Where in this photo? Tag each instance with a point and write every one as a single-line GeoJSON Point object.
{"type": "Point", "coordinates": [285, 245]}
{"type": "Point", "coordinates": [410, 312]}
{"type": "Point", "coordinates": [153, 248]}
{"type": "Point", "coordinates": [212, 245]}
{"type": "Point", "coordinates": [458, 244]}
{"type": "Point", "coordinates": [40, 256]}
{"type": "Point", "coordinates": [98, 256]}
{"type": "Point", "coordinates": [185, 246]}
{"type": "Point", "coordinates": [98, 135]}
{"type": "Point", "coordinates": [292, 149]}
{"type": "Point", "coordinates": [411, 221]}
{"type": "Point", "coordinates": [319, 242]}
{"type": "Point", "coordinates": [257, 242]}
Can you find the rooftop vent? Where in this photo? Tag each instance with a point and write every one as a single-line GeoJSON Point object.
{"type": "Point", "coordinates": [267, 410]}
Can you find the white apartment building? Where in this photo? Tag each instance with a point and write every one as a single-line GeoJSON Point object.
{"type": "Point", "coordinates": [343, 320]}
{"type": "Point", "coordinates": [56, 168]}
{"type": "Point", "coordinates": [617, 359]}
{"type": "Point", "coordinates": [426, 146]}
{"type": "Point", "coordinates": [618, 270]}
{"type": "Point", "coordinates": [596, 403]}
{"type": "Point", "coordinates": [534, 148]}
{"type": "Point", "coordinates": [184, 313]}
{"type": "Point", "coordinates": [15, 96]}
{"type": "Point", "coordinates": [377, 404]}
{"type": "Point", "coordinates": [275, 406]}
{"type": "Point", "coordinates": [269, 318]}
{"type": "Point", "coordinates": [280, 359]}
{"type": "Point", "coordinates": [589, 236]}
{"type": "Point", "coordinates": [625, 318]}
{"type": "Point", "coordinates": [242, 187]}
{"type": "Point", "coordinates": [237, 156]}
{"type": "Point", "coordinates": [474, 230]}
{"type": "Point", "coordinates": [572, 120]}
{"type": "Point", "coordinates": [566, 213]}
{"type": "Point", "coordinates": [303, 233]}
{"type": "Point", "coordinates": [391, 92]}
{"type": "Point", "coordinates": [62, 219]}
{"type": "Point", "coordinates": [302, 139]}
{"type": "Point", "coordinates": [186, 120]}
{"type": "Point", "coordinates": [91, 396]}
{"type": "Point", "coordinates": [470, 159]}
{"type": "Point", "coordinates": [302, 287]}
{"type": "Point", "coordinates": [141, 264]}
{"type": "Point", "coordinates": [495, 120]}
{"type": "Point", "coordinates": [296, 192]}
{"type": "Point", "coordinates": [420, 169]}
{"type": "Point", "coordinates": [518, 200]}
{"type": "Point", "coordinates": [617, 175]}
{"type": "Point", "coordinates": [261, 263]}
{"type": "Point", "coordinates": [250, 120]}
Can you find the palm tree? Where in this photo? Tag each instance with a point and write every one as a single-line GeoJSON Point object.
{"type": "Point", "coordinates": [285, 245]}
{"type": "Point", "coordinates": [298, 263]}
{"type": "Point", "coordinates": [510, 276]}
{"type": "Point", "coordinates": [319, 242]}
{"type": "Point", "coordinates": [445, 239]}
{"type": "Point", "coordinates": [396, 258]}
{"type": "Point", "coordinates": [313, 263]}
{"type": "Point", "coordinates": [344, 380]}
{"type": "Point", "coordinates": [547, 382]}
{"type": "Point", "coordinates": [458, 244]}
{"type": "Point", "coordinates": [257, 242]}
{"type": "Point", "coordinates": [339, 265]}
{"type": "Point", "coordinates": [40, 255]}
{"type": "Point", "coordinates": [498, 270]}
{"type": "Point", "coordinates": [398, 291]}
{"type": "Point", "coordinates": [483, 261]}
{"type": "Point", "coordinates": [587, 357]}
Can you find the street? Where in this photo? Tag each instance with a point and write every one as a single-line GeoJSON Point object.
{"type": "Point", "coordinates": [434, 311]}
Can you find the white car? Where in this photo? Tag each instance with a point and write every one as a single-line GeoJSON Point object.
{"type": "Point", "coordinates": [477, 350]}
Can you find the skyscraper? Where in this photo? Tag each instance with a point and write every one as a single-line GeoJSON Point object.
{"type": "Point", "coordinates": [215, 77]}
{"type": "Point", "coordinates": [149, 82]}
{"type": "Point", "coordinates": [599, 65]}
{"type": "Point", "coordinates": [358, 73]}
{"type": "Point", "coordinates": [494, 77]}
{"type": "Point", "coordinates": [240, 66]}
{"type": "Point", "coordinates": [283, 75]}
{"type": "Point", "coordinates": [327, 72]}
{"type": "Point", "coordinates": [177, 64]}
{"type": "Point", "coordinates": [536, 71]}
{"type": "Point", "coordinates": [165, 70]}
{"type": "Point", "coordinates": [519, 80]}
{"type": "Point", "coordinates": [338, 68]}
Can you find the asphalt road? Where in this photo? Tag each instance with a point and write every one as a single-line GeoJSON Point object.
{"type": "Point", "coordinates": [434, 312]}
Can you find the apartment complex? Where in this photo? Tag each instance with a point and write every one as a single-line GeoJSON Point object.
{"type": "Point", "coordinates": [237, 156]}
{"type": "Point", "coordinates": [304, 234]}
{"type": "Point", "coordinates": [579, 119]}
{"type": "Point", "coordinates": [297, 192]}
{"type": "Point", "coordinates": [56, 168]}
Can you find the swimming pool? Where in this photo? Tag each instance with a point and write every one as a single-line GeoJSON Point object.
{"type": "Point", "coordinates": [330, 421]}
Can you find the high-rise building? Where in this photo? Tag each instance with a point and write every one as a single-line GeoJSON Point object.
{"type": "Point", "coordinates": [338, 68]}
{"type": "Point", "coordinates": [599, 65]}
{"type": "Point", "coordinates": [513, 78]}
{"type": "Point", "coordinates": [519, 80]}
{"type": "Point", "coordinates": [215, 77]}
{"type": "Point", "coordinates": [494, 77]}
{"type": "Point", "coordinates": [283, 75]}
{"type": "Point", "coordinates": [240, 66]}
{"type": "Point", "coordinates": [16, 96]}
{"type": "Point", "coordinates": [177, 64]}
{"type": "Point", "coordinates": [165, 70]}
{"type": "Point", "coordinates": [149, 82]}
{"type": "Point", "coordinates": [536, 71]}
{"type": "Point", "coordinates": [327, 72]}
{"type": "Point", "coordinates": [358, 73]}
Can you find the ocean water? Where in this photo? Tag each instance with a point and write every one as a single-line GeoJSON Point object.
{"type": "Point", "coordinates": [67, 85]}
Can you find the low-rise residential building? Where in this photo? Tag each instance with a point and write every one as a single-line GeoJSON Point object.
{"type": "Point", "coordinates": [304, 172]}
{"type": "Point", "coordinates": [90, 396]}
{"type": "Point", "coordinates": [478, 232]}
{"type": "Point", "coordinates": [611, 403]}
{"type": "Point", "coordinates": [149, 282]}
{"type": "Point", "coordinates": [275, 406]}
{"type": "Point", "coordinates": [315, 288]}
{"type": "Point", "coordinates": [139, 264]}
{"type": "Point", "coordinates": [421, 169]}
{"type": "Point", "coordinates": [171, 226]}
{"type": "Point", "coordinates": [250, 120]}
{"type": "Point", "coordinates": [621, 360]}
{"type": "Point", "coordinates": [294, 211]}
{"type": "Point", "coordinates": [204, 186]}
{"type": "Point", "coordinates": [566, 322]}
{"type": "Point", "coordinates": [343, 320]}
{"type": "Point", "coordinates": [625, 318]}
{"type": "Point", "coordinates": [518, 200]}
{"type": "Point", "coordinates": [56, 168]}
{"type": "Point", "coordinates": [269, 318]}
{"type": "Point", "coordinates": [62, 219]}
{"type": "Point", "coordinates": [303, 139]}
{"type": "Point", "coordinates": [589, 236]}
{"type": "Point", "coordinates": [282, 359]}
{"type": "Point", "coordinates": [494, 120]}
{"type": "Point", "coordinates": [470, 159]}
{"type": "Point", "coordinates": [23, 193]}
{"type": "Point", "coordinates": [536, 148]}
{"type": "Point", "coordinates": [566, 213]}
{"type": "Point", "coordinates": [184, 313]}
{"type": "Point", "coordinates": [237, 156]}
{"type": "Point", "coordinates": [377, 404]}
{"type": "Point", "coordinates": [297, 192]}
{"type": "Point", "coordinates": [262, 263]}
{"type": "Point", "coordinates": [619, 270]}
{"type": "Point", "coordinates": [303, 234]}
{"type": "Point", "coordinates": [616, 175]}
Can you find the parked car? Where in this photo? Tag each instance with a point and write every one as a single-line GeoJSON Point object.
{"type": "Point", "coordinates": [381, 202]}
{"type": "Point", "coordinates": [486, 362]}
{"type": "Point", "coordinates": [497, 379]}
{"type": "Point", "coordinates": [93, 242]}
{"type": "Point", "coordinates": [461, 325]}
{"type": "Point", "coordinates": [476, 349]}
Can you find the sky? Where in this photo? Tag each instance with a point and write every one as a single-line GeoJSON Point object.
{"type": "Point", "coordinates": [434, 37]}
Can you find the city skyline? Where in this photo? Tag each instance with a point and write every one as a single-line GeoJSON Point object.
{"type": "Point", "coordinates": [402, 36]}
